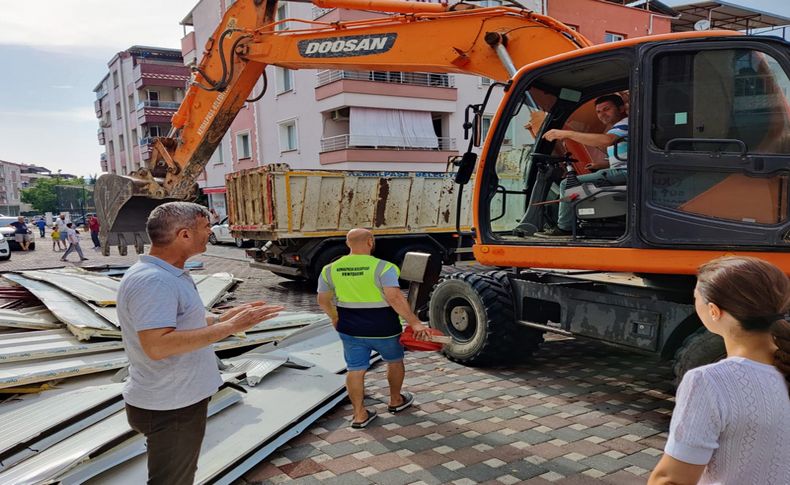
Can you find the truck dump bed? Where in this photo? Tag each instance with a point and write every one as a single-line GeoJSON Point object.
{"type": "Point", "coordinates": [273, 202]}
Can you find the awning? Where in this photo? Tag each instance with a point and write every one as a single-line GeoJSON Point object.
{"type": "Point", "coordinates": [725, 15]}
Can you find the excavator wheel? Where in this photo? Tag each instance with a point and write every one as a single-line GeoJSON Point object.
{"type": "Point", "coordinates": [700, 348]}
{"type": "Point", "coordinates": [477, 312]}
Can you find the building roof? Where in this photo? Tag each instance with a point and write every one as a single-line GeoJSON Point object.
{"type": "Point", "coordinates": [725, 15]}
{"type": "Point", "coordinates": [651, 5]}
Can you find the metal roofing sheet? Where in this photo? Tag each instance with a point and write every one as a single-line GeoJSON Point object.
{"type": "Point", "coordinates": [69, 453]}
{"type": "Point", "coordinates": [230, 436]}
{"type": "Point", "coordinates": [85, 285]}
{"type": "Point", "coordinates": [43, 344]}
{"type": "Point", "coordinates": [38, 319]}
{"type": "Point", "coordinates": [726, 15]}
{"type": "Point", "coordinates": [213, 287]}
{"type": "Point", "coordinates": [25, 423]}
{"type": "Point", "coordinates": [66, 307]}
{"type": "Point", "coordinates": [21, 373]}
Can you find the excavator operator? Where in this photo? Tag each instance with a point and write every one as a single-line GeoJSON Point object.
{"type": "Point", "coordinates": [611, 111]}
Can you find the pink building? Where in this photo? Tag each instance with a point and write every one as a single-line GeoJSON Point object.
{"type": "Point", "coordinates": [368, 120]}
{"type": "Point", "coordinates": [135, 102]}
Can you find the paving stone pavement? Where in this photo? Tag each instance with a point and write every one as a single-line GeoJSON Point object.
{"type": "Point", "coordinates": [578, 412]}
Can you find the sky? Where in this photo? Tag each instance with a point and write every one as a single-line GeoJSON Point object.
{"type": "Point", "coordinates": [54, 52]}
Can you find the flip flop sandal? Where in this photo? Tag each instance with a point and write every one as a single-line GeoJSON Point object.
{"type": "Point", "coordinates": [371, 416]}
{"type": "Point", "coordinates": [408, 400]}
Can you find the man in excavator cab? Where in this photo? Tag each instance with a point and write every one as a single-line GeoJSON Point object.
{"type": "Point", "coordinates": [611, 111]}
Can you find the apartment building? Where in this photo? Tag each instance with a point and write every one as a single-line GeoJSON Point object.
{"type": "Point", "coordinates": [10, 181]}
{"type": "Point", "coordinates": [135, 102]}
{"type": "Point", "coordinates": [370, 120]}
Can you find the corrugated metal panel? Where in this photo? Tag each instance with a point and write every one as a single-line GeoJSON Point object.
{"type": "Point", "coordinates": [213, 287]}
{"type": "Point", "coordinates": [25, 423]}
{"type": "Point", "coordinates": [45, 344]}
{"type": "Point", "coordinates": [63, 457]}
{"type": "Point", "coordinates": [67, 308]}
{"type": "Point", "coordinates": [85, 285]}
{"type": "Point", "coordinates": [21, 373]}
{"type": "Point", "coordinates": [38, 319]}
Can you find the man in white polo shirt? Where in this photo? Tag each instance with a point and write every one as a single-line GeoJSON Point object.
{"type": "Point", "coordinates": [167, 336]}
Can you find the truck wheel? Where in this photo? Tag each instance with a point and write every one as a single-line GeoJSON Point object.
{"type": "Point", "coordinates": [328, 255]}
{"type": "Point", "coordinates": [477, 312]}
{"type": "Point", "coordinates": [523, 336]}
{"type": "Point", "coordinates": [700, 348]}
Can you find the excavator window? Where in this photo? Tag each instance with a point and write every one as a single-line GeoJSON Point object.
{"type": "Point", "coordinates": [731, 106]}
{"type": "Point", "coordinates": [530, 169]}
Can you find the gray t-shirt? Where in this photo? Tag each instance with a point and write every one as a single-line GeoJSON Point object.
{"type": "Point", "coordinates": [155, 294]}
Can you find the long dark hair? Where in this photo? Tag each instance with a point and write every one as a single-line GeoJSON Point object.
{"type": "Point", "coordinates": [754, 292]}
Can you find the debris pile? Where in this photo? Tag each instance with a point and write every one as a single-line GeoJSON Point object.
{"type": "Point", "coordinates": [58, 324]}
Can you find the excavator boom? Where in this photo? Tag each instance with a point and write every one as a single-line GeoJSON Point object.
{"type": "Point", "coordinates": [490, 42]}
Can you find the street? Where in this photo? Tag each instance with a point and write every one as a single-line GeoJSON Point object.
{"type": "Point", "coordinates": [578, 412]}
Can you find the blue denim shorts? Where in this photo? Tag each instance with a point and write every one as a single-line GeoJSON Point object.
{"type": "Point", "coordinates": [357, 350]}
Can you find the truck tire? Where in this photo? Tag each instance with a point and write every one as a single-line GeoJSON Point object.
{"type": "Point", "coordinates": [524, 336]}
{"type": "Point", "coordinates": [326, 256]}
{"type": "Point", "coordinates": [477, 312]}
{"type": "Point", "coordinates": [700, 348]}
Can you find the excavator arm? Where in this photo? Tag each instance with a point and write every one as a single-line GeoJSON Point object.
{"type": "Point", "coordinates": [415, 36]}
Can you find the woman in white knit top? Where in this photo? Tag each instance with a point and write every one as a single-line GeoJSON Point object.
{"type": "Point", "coordinates": [731, 423]}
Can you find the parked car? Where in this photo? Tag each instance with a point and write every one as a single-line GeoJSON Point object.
{"type": "Point", "coordinates": [80, 221]}
{"type": "Point", "coordinates": [5, 251]}
{"type": "Point", "coordinates": [220, 233]}
{"type": "Point", "coordinates": [8, 233]}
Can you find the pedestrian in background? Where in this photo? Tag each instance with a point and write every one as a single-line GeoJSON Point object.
{"type": "Point", "coordinates": [167, 336]}
{"type": "Point", "coordinates": [93, 227]}
{"type": "Point", "coordinates": [21, 233]}
{"type": "Point", "coordinates": [362, 297]}
{"type": "Point", "coordinates": [55, 235]}
{"type": "Point", "coordinates": [42, 225]}
{"type": "Point", "coordinates": [73, 238]}
{"type": "Point", "coordinates": [62, 229]}
{"type": "Point", "coordinates": [731, 423]}
{"type": "Point", "coordinates": [213, 217]}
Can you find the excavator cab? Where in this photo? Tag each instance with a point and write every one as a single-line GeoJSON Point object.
{"type": "Point", "coordinates": [707, 157]}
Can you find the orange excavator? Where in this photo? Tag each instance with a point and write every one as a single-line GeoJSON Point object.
{"type": "Point", "coordinates": [706, 163]}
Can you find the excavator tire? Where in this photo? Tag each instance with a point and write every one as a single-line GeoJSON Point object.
{"type": "Point", "coordinates": [524, 336]}
{"type": "Point", "coordinates": [700, 348]}
{"type": "Point", "coordinates": [477, 312]}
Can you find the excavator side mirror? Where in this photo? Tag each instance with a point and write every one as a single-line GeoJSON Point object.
{"type": "Point", "coordinates": [477, 134]}
{"type": "Point", "coordinates": [465, 168]}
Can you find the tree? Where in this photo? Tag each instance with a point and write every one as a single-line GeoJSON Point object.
{"type": "Point", "coordinates": [43, 195]}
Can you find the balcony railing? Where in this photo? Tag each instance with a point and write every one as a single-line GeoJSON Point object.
{"type": "Point", "coordinates": [101, 94]}
{"type": "Point", "coordinates": [342, 142]}
{"type": "Point", "coordinates": [105, 123]}
{"type": "Point", "coordinates": [158, 104]}
{"type": "Point", "coordinates": [396, 77]}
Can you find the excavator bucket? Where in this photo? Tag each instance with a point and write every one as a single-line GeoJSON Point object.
{"type": "Point", "coordinates": [122, 206]}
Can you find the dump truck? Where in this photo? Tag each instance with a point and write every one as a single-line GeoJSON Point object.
{"type": "Point", "coordinates": [299, 218]}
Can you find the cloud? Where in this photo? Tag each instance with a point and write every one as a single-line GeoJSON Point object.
{"type": "Point", "coordinates": [72, 115]}
{"type": "Point", "coordinates": [62, 86]}
{"type": "Point", "coordinates": [114, 25]}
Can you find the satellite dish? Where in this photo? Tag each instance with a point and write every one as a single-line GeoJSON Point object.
{"type": "Point", "coordinates": [703, 24]}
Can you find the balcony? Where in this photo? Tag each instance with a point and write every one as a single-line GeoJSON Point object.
{"type": "Point", "coordinates": [103, 162]}
{"type": "Point", "coordinates": [146, 147]}
{"type": "Point", "coordinates": [97, 107]}
{"type": "Point", "coordinates": [158, 73]}
{"type": "Point", "coordinates": [105, 123]}
{"type": "Point", "coordinates": [101, 94]}
{"type": "Point", "coordinates": [410, 78]}
{"type": "Point", "coordinates": [377, 149]}
{"type": "Point", "coordinates": [100, 135]}
{"type": "Point", "coordinates": [156, 111]}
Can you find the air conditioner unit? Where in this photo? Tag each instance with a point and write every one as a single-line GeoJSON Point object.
{"type": "Point", "coordinates": [340, 114]}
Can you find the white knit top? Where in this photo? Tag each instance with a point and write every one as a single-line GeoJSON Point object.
{"type": "Point", "coordinates": [734, 416]}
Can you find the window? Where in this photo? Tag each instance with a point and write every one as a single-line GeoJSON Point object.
{"type": "Point", "coordinates": [118, 111]}
{"type": "Point", "coordinates": [111, 148]}
{"type": "Point", "coordinates": [135, 141]}
{"type": "Point", "coordinates": [121, 143]}
{"type": "Point", "coordinates": [486, 81]}
{"type": "Point", "coordinates": [612, 37]}
{"type": "Point", "coordinates": [153, 95]}
{"type": "Point", "coordinates": [154, 131]}
{"type": "Point", "coordinates": [282, 14]}
{"type": "Point", "coordinates": [216, 158]}
{"type": "Point", "coordinates": [712, 105]}
{"type": "Point", "coordinates": [288, 136]}
{"type": "Point", "coordinates": [131, 103]}
{"type": "Point", "coordinates": [508, 141]}
{"type": "Point", "coordinates": [115, 79]}
{"type": "Point", "coordinates": [284, 80]}
{"type": "Point", "coordinates": [243, 145]}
